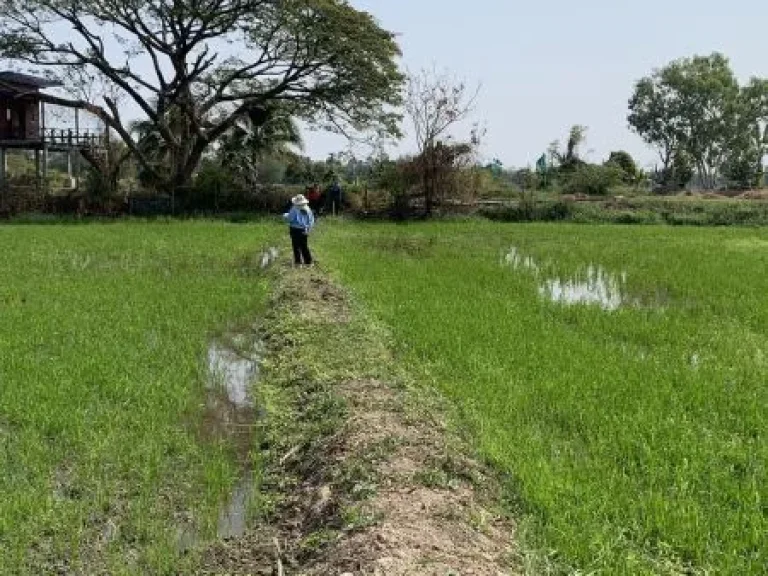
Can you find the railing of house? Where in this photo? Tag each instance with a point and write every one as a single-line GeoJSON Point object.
{"type": "Point", "coordinates": [84, 139]}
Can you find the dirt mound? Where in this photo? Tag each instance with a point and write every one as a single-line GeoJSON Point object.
{"type": "Point", "coordinates": [429, 518]}
{"type": "Point", "coordinates": [754, 195]}
{"type": "Point", "coordinates": [367, 475]}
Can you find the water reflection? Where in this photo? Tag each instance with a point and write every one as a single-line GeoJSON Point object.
{"type": "Point", "coordinates": [269, 257]}
{"type": "Point", "coordinates": [231, 416]}
{"type": "Point", "coordinates": [233, 518]}
{"type": "Point", "coordinates": [519, 261]}
{"type": "Point", "coordinates": [591, 286]}
{"type": "Point", "coordinates": [595, 287]}
{"type": "Point", "coordinates": [233, 373]}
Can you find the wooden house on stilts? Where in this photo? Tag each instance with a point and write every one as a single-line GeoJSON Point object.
{"type": "Point", "coordinates": [23, 126]}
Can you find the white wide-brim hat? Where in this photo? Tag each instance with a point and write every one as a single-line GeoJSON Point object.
{"type": "Point", "coordinates": [300, 200]}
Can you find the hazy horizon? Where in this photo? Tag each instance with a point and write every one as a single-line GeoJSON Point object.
{"type": "Point", "coordinates": [543, 70]}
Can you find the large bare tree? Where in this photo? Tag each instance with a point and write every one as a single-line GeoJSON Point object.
{"type": "Point", "coordinates": [435, 102]}
{"type": "Point", "coordinates": [193, 68]}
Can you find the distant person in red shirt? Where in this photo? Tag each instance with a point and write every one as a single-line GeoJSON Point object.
{"type": "Point", "coordinates": [315, 197]}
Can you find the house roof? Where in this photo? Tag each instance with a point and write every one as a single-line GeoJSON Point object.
{"type": "Point", "coordinates": [25, 80]}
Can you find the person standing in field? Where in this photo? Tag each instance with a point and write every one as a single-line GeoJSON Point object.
{"type": "Point", "coordinates": [335, 197]}
{"type": "Point", "coordinates": [315, 198]}
{"type": "Point", "coordinates": [300, 221]}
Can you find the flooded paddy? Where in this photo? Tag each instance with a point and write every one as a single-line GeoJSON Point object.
{"type": "Point", "coordinates": [231, 416]}
{"type": "Point", "coordinates": [595, 286]}
{"type": "Point", "coordinates": [616, 373]}
{"type": "Point", "coordinates": [591, 285]}
{"type": "Point", "coordinates": [105, 334]}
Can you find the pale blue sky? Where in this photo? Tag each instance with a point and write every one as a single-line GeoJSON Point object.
{"type": "Point", "coordinates": [546, 66]}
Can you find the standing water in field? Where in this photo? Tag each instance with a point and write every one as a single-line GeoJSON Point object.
{"type": "Point", "coordinates": [231, 416]}
{"type": "Point", "coordinates": [233, 518]}
{"type": "Point", "coordinates": [591, 286]}
{"type": "Point", "coordinates": [233, 372]}
{"type": "Point", "coordinates": [596, 286]}
{"type": "Point", "coordinates": [269, 257]}
{"type": "Point", "coordinates": [519, 261]}
{"type": "Point", "coordinates": [231, 413]}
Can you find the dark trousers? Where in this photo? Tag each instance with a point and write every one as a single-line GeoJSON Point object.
{"type": "Point", "coordinates": [300, 241]}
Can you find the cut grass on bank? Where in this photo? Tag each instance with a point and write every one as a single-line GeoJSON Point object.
{"type": "Point", "coordinates": [103, 335]}
{"type": "Point", "coordinates": [634, 440]}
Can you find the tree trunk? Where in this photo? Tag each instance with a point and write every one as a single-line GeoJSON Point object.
{"type": "Point", "coordinates": [427, 194]}
{"type": "Point", "coordinates": [428, 181]}
{"type": "Point", "coordinates": [108, 168]}
{"type": "Point", "coordinates": [184, 161]}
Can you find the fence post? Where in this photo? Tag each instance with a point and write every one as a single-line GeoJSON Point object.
{"type": "Point", "coordinates": [3, 183]}
{"type": "Point", "coordinates": [77, 143]}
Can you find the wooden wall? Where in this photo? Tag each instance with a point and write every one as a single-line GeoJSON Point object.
{"type": "Point", "coordinates": [13, 112]}
{"type": "Point", "coordinates": [33, 120]}
{"type": "Point", "coordinates": [4, 121]}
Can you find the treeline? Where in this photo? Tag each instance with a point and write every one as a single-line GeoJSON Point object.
{"type": "Point", "coordinates": [709, 132]}
{"type": "Point", "coordinates": [702, 122]}
{"type": "Point", "coordinates": [226, 143]}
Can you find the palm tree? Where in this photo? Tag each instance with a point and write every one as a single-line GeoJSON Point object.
{"type": "Point", "coordinates": [571, 158]}
{"type": "Point", "coordinates": [576, 138]}
{"type": "Point", "coordinates": [268, 133]}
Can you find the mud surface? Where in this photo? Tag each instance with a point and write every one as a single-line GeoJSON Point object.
{"type": "Point", "coordinates": [430, 520]}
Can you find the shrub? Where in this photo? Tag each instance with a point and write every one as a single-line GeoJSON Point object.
{"type": "Point", "coordinates": [634, 217]}
{"type": "Point", "coordinates": [624, 161]}
{"type": "Point", "coordinates": [211, 184]}
{"type": "Point", "coordinates": [531, 212]}
{"type": "Point", "coordinates": [555, 211]}
{"type": "Point", "coordinates": [592, 179]}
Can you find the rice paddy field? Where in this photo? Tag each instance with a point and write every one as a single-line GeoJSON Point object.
{"type": "Point", "coordinates": [104, 466]}
{"type": "Point", "coordinates": [615, 375]}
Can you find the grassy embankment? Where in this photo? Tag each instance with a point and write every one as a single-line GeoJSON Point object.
{"type": "Point", "coordinates": [103, 335]}
{"type": "Point", "coordinates": [674, 210]}
{"type": "Point", "coordinates": [634, 440]}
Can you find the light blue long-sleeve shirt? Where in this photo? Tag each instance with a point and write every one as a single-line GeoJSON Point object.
{"type": "Point", "coordinates": [299, 218]}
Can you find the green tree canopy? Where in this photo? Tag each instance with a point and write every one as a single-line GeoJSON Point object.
{"type": "Point", "coordinates": [624, 161]}
{"type": "Point", "coordinates": [695, 106]}
{"type": "Point", "coordinates": [653, 114]}
{"type": "Point", "coordinates": [212, 61]}
{"type": "Point", "coordinates": [743, 164]}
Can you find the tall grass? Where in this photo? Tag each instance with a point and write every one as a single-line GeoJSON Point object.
{"type": "Point", "coordinates": [633, 441]}
{"type": "Point", "coordinates": [103, 333]}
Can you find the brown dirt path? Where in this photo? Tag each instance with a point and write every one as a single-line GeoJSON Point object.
{"type": "Point", "coordinates": [366, 475]}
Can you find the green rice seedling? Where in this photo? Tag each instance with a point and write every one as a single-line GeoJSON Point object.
{"type": "Point", "coordinates": [104, 463]}
{"type": "Point", "coordinates": [632, 436]}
